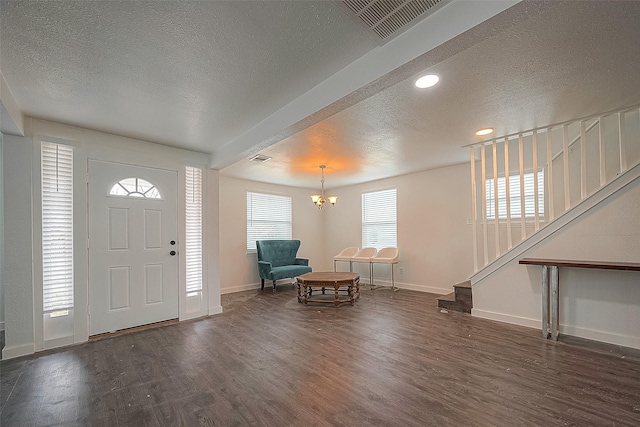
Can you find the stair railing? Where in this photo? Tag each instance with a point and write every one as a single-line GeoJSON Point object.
{"type": "Point", "coordinates": [522, 182]}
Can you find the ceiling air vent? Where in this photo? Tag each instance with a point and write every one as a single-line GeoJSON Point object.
{"type": "Point", "coordinates": [387, 17]}
{"type": "Point", "coordinates": [260, 158]}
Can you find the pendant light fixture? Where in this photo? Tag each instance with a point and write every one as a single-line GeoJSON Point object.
{"type": "Point", "coordinates": [319, 199]}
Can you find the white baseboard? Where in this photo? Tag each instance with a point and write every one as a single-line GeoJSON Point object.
{"type": "Point", "coordinates": [413, 287]}
{"type": "Point", "coordinates": [603, 336]}
{"type": "Point", "coordinates": [215, 310]}
{"type": "Point", "coordinates": [364, 283]}
{"type": "Point", "coordinates": [240, 288]}
{"type": "Point", "coordinates": [576, 331]}
{"type": "Point", "coordinates": [9, 352]}
{"type": "Point", "coordinates": [507, 318]}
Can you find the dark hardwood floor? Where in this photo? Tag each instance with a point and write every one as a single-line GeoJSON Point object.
{"type": "Point", "coordinates": [392, 360]}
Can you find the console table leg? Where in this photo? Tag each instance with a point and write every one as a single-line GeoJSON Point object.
{"type": "Point", "coordinates": [554, 303]}
{"type": "Point", "coordinates": [545, 302]}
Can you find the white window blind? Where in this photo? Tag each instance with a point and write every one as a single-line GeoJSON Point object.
{"type": "Point", "coordinates": [268, 218]}
{"type": "Point", "coordinates": [379, 219]}
{"type": "Point", "coordinates": [57, 226]}
{"type": "Point", "coordinates": [193, 227]}
{"type": "Point", "coordinates": [514, 196]}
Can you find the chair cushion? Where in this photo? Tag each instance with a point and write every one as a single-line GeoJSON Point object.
{"type": "Point", "coordinates": [287, 271]}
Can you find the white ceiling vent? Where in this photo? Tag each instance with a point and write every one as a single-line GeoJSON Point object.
{"type": "Point", "coordinates": [388, 17]}
{"type": "Point", "coordinates": [260, 158]}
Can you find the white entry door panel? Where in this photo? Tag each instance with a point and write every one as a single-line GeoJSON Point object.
{"type": "Point", "coordinates": [133, 276]}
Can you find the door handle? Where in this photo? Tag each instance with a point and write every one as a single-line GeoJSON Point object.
{"type": "Point", "coordinates": [173, 242]}
{"type": "Point", "coordinates": [172, 253]}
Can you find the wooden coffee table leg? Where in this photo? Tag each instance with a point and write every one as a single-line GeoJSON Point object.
{"type": "Point", "coordinates": [337, 301]}
{"type": "Point", "coordinates": [351, 297]}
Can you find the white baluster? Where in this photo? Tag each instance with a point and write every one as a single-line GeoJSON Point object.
{"type": "Point", "coordinates": [507, 192]}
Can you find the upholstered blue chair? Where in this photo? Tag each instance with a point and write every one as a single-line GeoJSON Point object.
{"type": "Point", "coordinates": [277, 259]}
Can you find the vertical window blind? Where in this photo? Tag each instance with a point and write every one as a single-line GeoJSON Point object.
{"type": "Point", "coordinates": [193, 227]}
{"type": "Point", "coordinates": [514, 196]}
{"type": "Point", "coordinates": [379, 219]}
{"type": "Point", "coordinates": [57, 226]}
{"type": "Point", "coordinates": [268, 217]}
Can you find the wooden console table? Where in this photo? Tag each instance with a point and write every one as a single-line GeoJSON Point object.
{"type": "Point", "coordinates": [338, 281]}
{"type": "Point", "coordinates": [550, 300]}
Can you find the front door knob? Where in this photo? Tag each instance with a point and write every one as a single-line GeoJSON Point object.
{"type": "Point", "coordinates": [172, 253]}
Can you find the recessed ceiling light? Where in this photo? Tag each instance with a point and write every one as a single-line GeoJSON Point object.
{"type": "Point", "coordinates": [485, 131]}
{"type": "Point", "coordinates": [427, 81]}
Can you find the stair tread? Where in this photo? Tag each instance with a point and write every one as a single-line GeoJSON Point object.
{"type": "Point", "coordinates": [448, 297]}
{"type": "Point", "coordinates": [466, 284]}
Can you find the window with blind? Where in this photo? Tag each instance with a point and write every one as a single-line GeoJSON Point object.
{"type": "Point", "coordinates": [379, 219]}
{"type": "Point", "coordinates": [193, 244]}
{"type": "Point", "coordinates": [57, 226]}
{"type": "Point", "coordinates": [268, 218]}
{"type": "Point", "coordinates": [514, 196]}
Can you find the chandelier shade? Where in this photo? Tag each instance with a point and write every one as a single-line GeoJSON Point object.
{"type": "Point", "coordinates": [318, 199]}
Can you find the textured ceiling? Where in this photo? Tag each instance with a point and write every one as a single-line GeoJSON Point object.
{"type": "Point", "coordinates": [558, 62]}
{"type": "Point", "coordinates": [208, 75]}
{"type": "Point", "coordinates": [188, 73]}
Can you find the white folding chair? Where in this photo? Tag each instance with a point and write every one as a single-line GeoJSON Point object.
{"type": "Point", "coordinates": [386, 256]}
{"type": "Point", "coordinates": [365, 255]}
{"type": "Point", "coordinates": [345, 255]}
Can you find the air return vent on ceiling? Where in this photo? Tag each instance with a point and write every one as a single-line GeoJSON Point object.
{"type": "Point", "coordinates": [260, 158]}
{"type": "Point", "coordinates": [388, 17]}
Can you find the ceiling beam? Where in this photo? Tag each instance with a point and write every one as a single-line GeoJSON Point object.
{"type": "Point", "coordinates": [447, 23]}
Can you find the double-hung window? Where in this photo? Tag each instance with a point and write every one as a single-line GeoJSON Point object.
{"type": "Point", "coordinates": [57, 227]}
{"type": "Point", "coordinates": [268, 218]}
{"type": "Point", "coordinates": [514, 196]}
{"type": "Point", "coordinates": [379, 219]}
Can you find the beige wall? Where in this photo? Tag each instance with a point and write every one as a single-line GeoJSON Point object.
{"type": "Point", "coordinates": [433, 236]}
{"type": "Point", "coordinates": [434, 240]}
{"type": "Point", "coordinates": [595, 304]}
{"type": "Point", "coordinates": [239, 270]}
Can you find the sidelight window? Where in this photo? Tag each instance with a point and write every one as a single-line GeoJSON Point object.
{"type": "Point", "coordinates": [57, 227]}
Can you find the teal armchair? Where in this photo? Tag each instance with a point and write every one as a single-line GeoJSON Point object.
{"type": "Point", "coordinates": [277, 259]}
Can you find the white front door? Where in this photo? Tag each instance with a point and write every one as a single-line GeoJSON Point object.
{"type": "Point", "coordinates": [133, 233]}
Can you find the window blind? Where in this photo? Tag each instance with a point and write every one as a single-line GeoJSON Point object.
{"type": "Point", "coordinates": [379, 219]}
{"type": "Point", "coordinates": [57, 226]}
{"type": "Point", "coordinates": [193, 244]}
{"type": "Point", "coordinates": [514, 196]}
{"type": "Point", "coordinates": [268, 217]}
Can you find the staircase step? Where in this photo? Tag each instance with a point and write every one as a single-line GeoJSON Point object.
{"type": "Point", "coordinates": [447, 297]}
{"type": "Point", "coordinates": [454, 306]}
{"type": "Point", "coordinates": [461, 299]}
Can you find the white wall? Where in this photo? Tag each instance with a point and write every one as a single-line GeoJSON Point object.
{"type": "Point", "coordinates": [1, 238]}
{"type": "Point", "coordinates": [239, 270]}
{"type": "Point", "coordinates": [17, 274]}
{"type": "Point", "coordinates": [594, 304]}
{"type": "Point", "coordinates": [434, 239]}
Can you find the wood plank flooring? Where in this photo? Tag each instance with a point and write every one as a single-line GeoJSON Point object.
{"type": "Point", "coordinates": [391, 360]}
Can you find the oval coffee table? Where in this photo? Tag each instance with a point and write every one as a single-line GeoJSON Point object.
{"type": "Point", "coordinates": [339, 281]}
